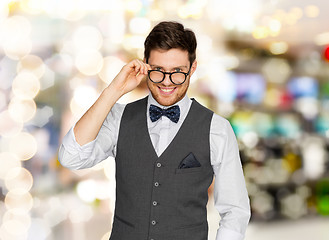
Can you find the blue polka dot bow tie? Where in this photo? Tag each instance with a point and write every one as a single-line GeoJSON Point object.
{"type": "Point", "coordinates": [172, 113]}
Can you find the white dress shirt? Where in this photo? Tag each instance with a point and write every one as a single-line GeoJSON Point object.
{"type": "Point", "coordinates": [230, 194]}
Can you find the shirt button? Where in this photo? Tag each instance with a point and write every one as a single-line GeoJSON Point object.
{"type": "Point", "coordinates": [156, 184]}
{"type": "Point", "coordinates": [155, 203]}
{"type": "Point", "coordinates": [153, 222]}
{"type": "Point", "coordinates": [159, 165]}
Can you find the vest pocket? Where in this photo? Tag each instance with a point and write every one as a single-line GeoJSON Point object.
{"type": "Point", "coordinates": [188, 170]}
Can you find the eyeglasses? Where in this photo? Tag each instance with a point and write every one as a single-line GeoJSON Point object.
{"type": "Point", "coordinates": [176, 78]}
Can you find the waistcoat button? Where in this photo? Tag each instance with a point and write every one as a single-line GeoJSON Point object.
{"type": "Point", "coordinates": [156, 184]}
{"type": "Point", "coordinates": [159, 165]}
{"type": "Point", "coordinates": [155, 203]}
{"type": "Point", "coordinates": [153, 222]}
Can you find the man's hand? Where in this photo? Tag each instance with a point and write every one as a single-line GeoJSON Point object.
{"type": "Point", "coordinates": [130, 76]}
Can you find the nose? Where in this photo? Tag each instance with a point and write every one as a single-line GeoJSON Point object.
{"type": "Point", "coordinates": [166, 80]}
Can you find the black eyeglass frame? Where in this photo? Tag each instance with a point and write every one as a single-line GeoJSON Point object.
{"type": "Point", "coordinates": [169, 73]}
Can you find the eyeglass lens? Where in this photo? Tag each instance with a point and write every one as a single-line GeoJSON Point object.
{"type": "Point", "coordinates": [176, 77]}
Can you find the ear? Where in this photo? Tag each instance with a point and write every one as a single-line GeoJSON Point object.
{"type": "Point", "coordinates": [193, 67]}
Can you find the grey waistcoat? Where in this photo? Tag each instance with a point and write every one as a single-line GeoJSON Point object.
{"type": "Point", "coordinates": [154, 198]}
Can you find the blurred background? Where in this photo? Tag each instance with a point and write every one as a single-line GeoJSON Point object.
{"type": "Point", "coordinates": [262, 64]}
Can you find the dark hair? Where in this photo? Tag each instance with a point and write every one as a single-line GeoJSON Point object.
{"type": "Point", "coordinates": [168, 35]}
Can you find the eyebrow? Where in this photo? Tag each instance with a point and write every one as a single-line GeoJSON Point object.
{"type": "Point", "coordinates": [182, 66]}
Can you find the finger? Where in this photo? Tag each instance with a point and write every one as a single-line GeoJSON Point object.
{"type": "Point", "coordinates": [142, 67]}
{"type": "Point", "coordinates": [146, 67]}
{"type": "Point", "coordinates": [137, 66]}
{"type": "Point", "coordinates": [130, 67]}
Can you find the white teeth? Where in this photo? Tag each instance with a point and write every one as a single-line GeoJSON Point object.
{"type": "Point", "coordinates": [166, 90]}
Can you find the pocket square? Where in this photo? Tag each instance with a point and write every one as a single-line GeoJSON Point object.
{"type": "Point", "coordinates": [189, 162]}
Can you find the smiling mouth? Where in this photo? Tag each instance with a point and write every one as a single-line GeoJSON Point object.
{"type": "Point", "coordinates": [167, 90]}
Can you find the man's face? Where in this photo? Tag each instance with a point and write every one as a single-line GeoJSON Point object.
{"type": "Point", "coordinates": [166, 93]}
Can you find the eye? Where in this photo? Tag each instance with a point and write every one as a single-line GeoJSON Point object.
{"type": "Point", "coordinates": [157, 68]}
{"type": "Point", "coordinates": [178, 69]}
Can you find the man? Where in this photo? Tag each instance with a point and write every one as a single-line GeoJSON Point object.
{"type": "Point", "coordinates": [167, 148]}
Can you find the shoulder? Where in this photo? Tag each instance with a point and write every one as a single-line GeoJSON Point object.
{"type": "Point", "coordinates": [220, 126]}
{"type": "Point", "coordinates": [218, 122]}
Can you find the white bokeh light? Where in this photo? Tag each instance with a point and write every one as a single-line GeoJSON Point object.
{"type": "Point", "coordinates": [89, 62]}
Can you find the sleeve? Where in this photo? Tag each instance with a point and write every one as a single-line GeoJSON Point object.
{"type": "Point", "coordinates": [230, 193]}
{"type": "Point", "coordinates": [73, 156]}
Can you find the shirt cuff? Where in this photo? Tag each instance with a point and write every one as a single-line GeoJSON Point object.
{"type": "Point", "coordinates": [227, 234]}
{"type": "Point", "coordinates": [73, 147]}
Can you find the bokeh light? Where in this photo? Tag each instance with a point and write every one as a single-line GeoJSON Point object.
{"type": "Point", "coordinates": [23, 145]}
{"type": "Point", "coordinates": [312, 11]}
{"type": "Point", "coordinates": [276, 70]}
{"type": "Point", "coordinates": [16, 33]}
{"type": "Point", "coordinates": [133, 6]}
{"type": "Point", "coordinates": [293, 206]}
{"type": "Point", "coordinates": [314, 157]}
{"type": "Point", "coordinates": [86, 190]}
{"type": "Point", "coordinates": [322, 38]}
{"type": "Point", "coordinates": [22, 110]}
{"type": "Point", "coordinates": [263, 203]}
{"type": "Point", "coordinates": [32, 64]}
{"type": "Point", "coordinates": [308, 107]}
{"type": "Point", "coordinates": [8, 126]}
{"type": "Point", "coordinates": [326, 52]}
{"type": "Point", "coordinates": [13, 229]}
{"type": "Point", "coordinates": [19, 178]}
{"type": "Point", "coordinates": [87, 37]}
{"type": "Point", "coordinates": [8, 162]}
{"type": "Point", "coordinates": [260, 32]}
{"type": "Point", "coordinates": [277, 48]}
{"type": "Point", "coordinates": [250, 139]}
{"type": "Point", "coordinates": [139, 25]}
{"type": "Point", "coordinates": [89, 62]}
{"type": "Point", "coordinates": [274, 27]}
{"type": "Point", "coordinates": [133, 42]}
{"type": "Point", "coordinates": [85, 95]}
{"type": "Point", "coordinates": [18, 199]}
{"type": "Point", "coordinates": [26, 85]}
{"type": "Point", "coordinates": [80, 214]}
{"type": "Point", "coordinates": [16, 222]}
{"type": "Point", "coordinates": [83, 98]}
{"type": "Point", "coordinates": [112, 65]}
